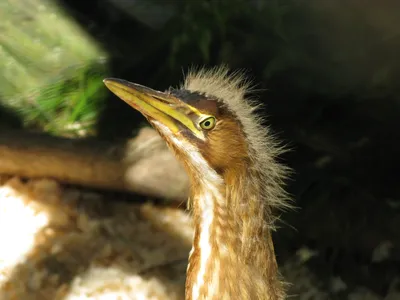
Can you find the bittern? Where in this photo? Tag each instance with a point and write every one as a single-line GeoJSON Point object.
{"type": "Point", "coordinates": [236, 181]}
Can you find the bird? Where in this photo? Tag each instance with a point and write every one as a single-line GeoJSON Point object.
{"type": "Point", "coordinates": [237, 181]}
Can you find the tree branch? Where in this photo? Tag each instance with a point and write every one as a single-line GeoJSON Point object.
{"type": "Point", "coordinates": [142, 165]}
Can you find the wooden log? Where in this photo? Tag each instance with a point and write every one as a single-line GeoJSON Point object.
{"type": "Point", "coordinates": [142, 165]}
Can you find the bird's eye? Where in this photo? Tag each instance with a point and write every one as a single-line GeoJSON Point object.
{"type": "Point", "coordinates": [208, 123]}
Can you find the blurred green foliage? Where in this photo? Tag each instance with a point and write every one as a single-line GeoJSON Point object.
{"type": "Point", "coordinates": [52, 70]}
{"type": "Point", "coordinates": [69, 105]}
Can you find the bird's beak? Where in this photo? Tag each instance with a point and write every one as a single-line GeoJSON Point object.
{"type": "Point", "coordinates": [154, 105]}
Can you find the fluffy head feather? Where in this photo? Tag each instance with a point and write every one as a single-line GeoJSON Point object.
{"type": "Point", "coordinates": [232, 89]}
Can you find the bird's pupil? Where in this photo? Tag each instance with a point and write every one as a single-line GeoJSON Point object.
{"type": "Point", "coordinates": [207, 123]}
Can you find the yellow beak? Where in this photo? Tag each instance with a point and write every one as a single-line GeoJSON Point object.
{"type": "Point", "coordinates": [154, 105]}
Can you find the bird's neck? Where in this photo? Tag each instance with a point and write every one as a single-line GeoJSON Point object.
{"type": "Point", "coordinates": [233, 254]}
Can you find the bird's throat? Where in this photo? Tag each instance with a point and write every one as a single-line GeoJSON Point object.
{"type": "Point", "coordinates": [232, 251]}
{"type": "Point", "coordinates": [233, 255]}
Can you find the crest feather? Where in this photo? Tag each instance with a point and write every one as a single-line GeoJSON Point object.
{"type": "Point", "coordinates": [232, 89]}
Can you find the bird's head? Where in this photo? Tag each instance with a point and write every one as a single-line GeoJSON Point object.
{"type": "Point", "coordinates": [197, 125]}
{"type": "Point", "coordinates": [213, 129]}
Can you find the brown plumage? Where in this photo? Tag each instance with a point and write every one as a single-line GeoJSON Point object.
{"type": "Point", "coordinates": [236, 183]}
